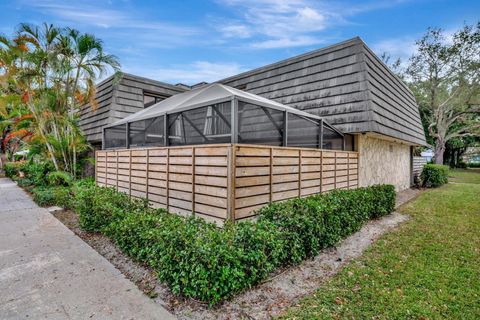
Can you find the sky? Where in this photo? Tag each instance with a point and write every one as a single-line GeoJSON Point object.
{"type": "Point", "coordinates": [192, 41]}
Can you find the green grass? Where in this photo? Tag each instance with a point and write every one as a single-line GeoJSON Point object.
{"type": "Point", "coordinates": [429, 268]}
{"type": "Point", "coordinates": [471, 175]}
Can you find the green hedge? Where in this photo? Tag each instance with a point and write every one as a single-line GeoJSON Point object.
{"type": "Point", "coordinates": [434, 175]}
{"type": "Point", "coordinates": [198, 260]}
{"type": "Point", "coordinates": [52, 196]}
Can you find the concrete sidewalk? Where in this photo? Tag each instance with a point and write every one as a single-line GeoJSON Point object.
{"type": "Point", "coordinates": [47, 272]}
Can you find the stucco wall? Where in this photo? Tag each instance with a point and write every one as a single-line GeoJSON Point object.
{"type": "Point", "coordinates": [383, 162]}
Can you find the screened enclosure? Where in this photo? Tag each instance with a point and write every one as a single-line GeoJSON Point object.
{"type": "Point", "coordinates": [220, 114]}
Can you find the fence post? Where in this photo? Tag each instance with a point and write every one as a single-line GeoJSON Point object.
{"type": "Point", "coordinates": [271, 175]}
{"type": "Point", "coordinates": [348, 170]}
{"type": "Point", "coordinates": [193, 180]}
{"type": "Point", "coordinates": [116, 169]}
{"type": "Point", "coordinates": [299, 173]}
{"type": "Point", "coordinates": [130, 173]}
{"type": "Point", "coordinates": [335, 171]}
{"type": "Point", "coordinates": [167, 182]}
{"type": "Point", "coordinates": [106, 169]}
{"type": "Point", "coordinates": [147, 168]}
{"type": "Point", "coordinates": [231, 177]}
{"type": "Point", "coordinates": [321, 171]}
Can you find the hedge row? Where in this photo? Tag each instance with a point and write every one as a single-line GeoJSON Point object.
{"type": "Point", "coordinates": [198, 260]}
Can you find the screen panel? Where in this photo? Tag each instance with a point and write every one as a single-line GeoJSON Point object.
{"type": "Point", "coordinates": [303, 132]}
{"type": "Point", "coordinates": [259, 125]}
{"type": "Point", "coordinates": [210, 124]}
{"type": "Point", "coordinates": [115, 137]}
{"type": "Point", "coordinates": [331, 139]}
{"type": "Point", "coordinates": [147, 132]}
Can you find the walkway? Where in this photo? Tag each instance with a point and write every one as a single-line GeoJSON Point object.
{"type": "Point", "coordinates": [46, 272]}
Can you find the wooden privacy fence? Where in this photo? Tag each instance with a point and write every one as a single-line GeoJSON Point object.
{"type": "Point", "coordinates": [417, 166]}
{"type": "Point", "coordinates": [224, 181]}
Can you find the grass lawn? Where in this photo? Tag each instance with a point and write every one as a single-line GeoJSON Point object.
{"type": "Point", "coordinates": [429, 268]}
{"type": "Point", "coordinates": [465, 175]}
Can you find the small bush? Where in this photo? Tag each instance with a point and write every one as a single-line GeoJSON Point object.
{"type": "Point", "coordinates": [52, 196]}
{"type": "Point", "coordinates": [36, 172]}
{"type": "Point", "coordinates": [98, 207]}
{"type": "Point", "coordinates": [474, 165]}
{"type": "Point", "coordinates": [198, 260]}
{"type": "Point", "coordinates": [59, 178]}
{"type": "Point", "coordinates": [434, 175]}
{"type": "Point", "coordinates": [12, 168]}
{"type": "Point", "coordinates": [28, 173]}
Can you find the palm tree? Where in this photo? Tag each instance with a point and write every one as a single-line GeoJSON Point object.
{"type": "Point", "coordinates": [55, 73]}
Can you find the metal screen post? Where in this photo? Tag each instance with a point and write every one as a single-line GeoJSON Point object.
{"type": "Point", "coordinates": [103, 138]}
{"type": "Point", "coordinates": [165, 130]}
{"type": "Point", "coordinates": [321, 134]}
{"type": "Point", "coordinates": [285, 128]}
{"type": "Point", "coordinates": [127, 135]}
{"type": "Point", "coordinates": [234, 121]}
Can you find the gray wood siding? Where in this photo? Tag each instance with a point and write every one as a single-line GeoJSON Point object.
{"type": "Point", "coordinates": [346, 84]}
{"type": "Point", "coordinates": [118, 99]}
{"type": "Point", "coordinates": [92, 121]}
{"type": "Point", "coordinates": [393, 104]}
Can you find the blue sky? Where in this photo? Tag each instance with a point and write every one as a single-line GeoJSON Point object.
{"type": "Point", "coordinates": [193, 41]}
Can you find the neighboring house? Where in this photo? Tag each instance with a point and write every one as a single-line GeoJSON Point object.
{"type": "Point", "coordinates": [345, 84]}
{"type": "Point", "coordinates": [427, 154]}
{"type": "Point", "coordinates": [472, 155]}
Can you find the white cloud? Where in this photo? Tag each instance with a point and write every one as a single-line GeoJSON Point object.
{"type": "Point", "coordinates": [115, 20]}
{"type": "Point", "coordinates": [402, 47]}
{"type": "Point", "coordinates": [236, 31]}
{"type": "Point", "coordinates": [286, 42]}
{"type": "Point", "coordinates": [293, 23]}
{"type": "Point", "coordinates": [190, 73]}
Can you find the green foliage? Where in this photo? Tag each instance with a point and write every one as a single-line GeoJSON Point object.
{"type": "Point", "coordinates": [50, 196]}
{"type": "Point", "coordinates": [59, 178]}
{"type": "Point", "coordinates": [434, 175]}
{"type": "Point", "coordinates": [28, 173]}
{"type": "Point", "coordinates": [98, 207]}
{"type": "Point", "coordinates": [11, 169]}
{"type": "Point", "coordinates": [473, 165]}
{"type": "Point", "coordinates": [313, 223]}
{"type": "Point", "coordinates": [199, 260]}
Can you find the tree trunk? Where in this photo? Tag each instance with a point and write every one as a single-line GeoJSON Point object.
{"type": "Point", "coordinates": [439, 151]}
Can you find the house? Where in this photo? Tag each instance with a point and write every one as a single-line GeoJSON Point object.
{"type": "Point", "coordinates": [210, 141]}
{"type": "Point", "coordinates": [349, 86]}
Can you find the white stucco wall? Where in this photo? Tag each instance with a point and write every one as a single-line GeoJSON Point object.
{"type": "Point", "coordinates": [383, 162]}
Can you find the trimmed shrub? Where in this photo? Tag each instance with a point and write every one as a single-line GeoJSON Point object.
{"type": "Point", "coordinates": [98, 207]}
{"type": "Point", "coordinates": [199, 260]}
{"type": "Point", "coordinates": [434, 175]}
{"type": "Point", "coordinates": [52, 196]}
